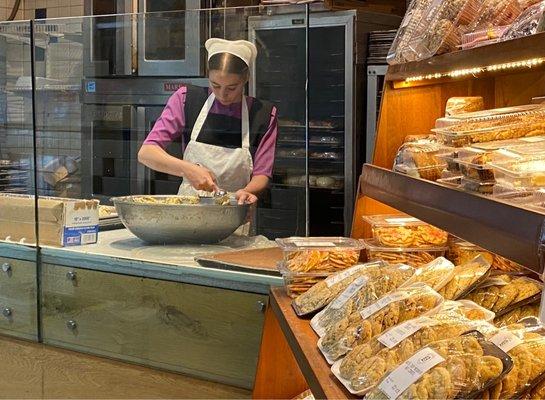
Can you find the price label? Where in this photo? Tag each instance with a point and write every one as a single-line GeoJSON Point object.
{"type": "Point", "coordinates": [381, 303]}
{"type": "Point", "coordinates": [314, 244]}
{"type": "Point", "coordinates": [332, 280]}
{"type": "Point", "coordinates": [507, 153]}
{"type": "Point", "coordinates": [394, 336]}
{"type": "Point", "coordinates": [349, 292]}
{"type": "Point", "coordinates": [533, 139]}
{"type": "Point", "coordinates": [409, 372]}
{"type": "Point", "coordinates": [398, 221]}
{"type": "Point", "coordinates": [506, 340]}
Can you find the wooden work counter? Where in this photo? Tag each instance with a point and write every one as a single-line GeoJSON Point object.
{"type": "Point", "coordinates": [283, 373]}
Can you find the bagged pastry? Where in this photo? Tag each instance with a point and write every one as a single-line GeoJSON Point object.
{"type": "Point", "coordinates": [435, 274]}
{"type": "Point", "coordinates": [518, 313]}
{"type": "Point", "coordinates": [460, 367]}
{"type": "Point", "coordinates": [460, 105]}
{"type": "Point", "coordinates": [319, 295]}
{"type": "Point", "coordinates": [366, 364]}
{"type": "Point", "coordinates": [465, 277]}
{"type": "Point", "coordinates": [359, 295]}
{"type": "Point", "coordinates": [359, 327]}
{"type": "Point", "coordinates": [525, 344]}
{"type": "Point", "coordinates": [502, 293]}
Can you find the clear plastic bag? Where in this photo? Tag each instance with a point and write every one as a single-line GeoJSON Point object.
{"type": "Point", "coordinates": [366, 364]}
{"type": "Point", "coordinates": [357, 297]}
{"type": "Point", "coordinates": [518, 313]}
{"type": "Point", "coordinates": [465, 278]}
{"type": "Point", "coordinates": [319, 295]}
{"type": "Point", "coordinates": [460, 367]}
{"type": "Point", "coordinates": [435, 274]}
{"type": "Point", "coordinates": [359, 327]}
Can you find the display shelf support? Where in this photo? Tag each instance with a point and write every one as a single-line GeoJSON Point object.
{"type": "Point", "coordinates": [513, 232]}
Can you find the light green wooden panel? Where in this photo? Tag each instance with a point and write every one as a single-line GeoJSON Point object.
{"type": "Point", "coordinates": [18, 295]}
{"type": "Point", "coordinates": [207, 332]}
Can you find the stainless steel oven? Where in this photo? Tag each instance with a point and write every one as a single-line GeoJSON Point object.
{"type": "Point", "coordinates": [156, 38]}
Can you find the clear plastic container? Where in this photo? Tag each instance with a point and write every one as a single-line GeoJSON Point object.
{"type": "Point", "coordinates": [473, 164]}
{"type": "Point", "coordinates": [483, 37]}
{"type": "Point", "coordinates": [413, 256]}
{"type": "Point", "coordinates": [453, 182]}
{"type": "Point", "coordinates": [401, 230]}
{"type": "Point", "coordinates": [526, 172]}
{"type": "Point", "coordinates": [472, 185]}
{"type": "Point", "coordinates": [419, 159]}
{"type": "Point", "coordinates": [510, 123]}
{"type": "Point", "coordinates": [460, 105]}
{"type": "Point", "coordinates": [495, 13]}
{"type": "Point", "coordinates": [510, 144]}
{"type": "Point", "coordinates": [331, 254]}
{"type": "Point", "coordinates": [297, 283]}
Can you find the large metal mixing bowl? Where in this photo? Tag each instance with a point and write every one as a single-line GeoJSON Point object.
{"type": "Point", "coordinates": [162, 223]}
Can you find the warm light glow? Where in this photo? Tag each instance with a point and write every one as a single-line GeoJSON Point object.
{"type": "Point", "coordinates": [478, 70]}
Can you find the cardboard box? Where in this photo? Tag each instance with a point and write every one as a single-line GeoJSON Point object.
{"type": "Point", "coordinates": [62, 222]}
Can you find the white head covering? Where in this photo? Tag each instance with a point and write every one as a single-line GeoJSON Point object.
{"type": "Point", "coordinates": [243, 49]}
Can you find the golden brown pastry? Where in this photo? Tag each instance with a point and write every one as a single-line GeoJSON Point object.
{"type": "Point", "coordinates": [465, 275]}
{"type": "Point", "coordinates": [515, 315]}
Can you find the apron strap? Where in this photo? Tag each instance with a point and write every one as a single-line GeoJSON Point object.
{"type": "Point", "coordinates": [245, 124]}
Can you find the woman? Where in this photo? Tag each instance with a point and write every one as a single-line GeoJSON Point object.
{"type": "Point", "coordinates": [228, 139]}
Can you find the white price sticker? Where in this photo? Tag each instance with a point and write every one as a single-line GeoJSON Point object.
{"type": "Point", "coordinates": [394, 336]}
{"type": "Point", "coordinates": [313, 244]}
{"type": "Point", "coordinates": [406, 220]}
{"type": "Point", "coordinates": [533, 139]}
{"type": "Point", "coordinates": [349, 292]}
{"type": "Point", "coordinates": [506, 340]}
{"type": "Point", "coordinates": [507, 153]}
{"type": "Point", "coordinates": [332, 280]}
{"type": "Point", "coordinates": [381, 303]}
{"type": "Point", "coordinates": [409, 372]}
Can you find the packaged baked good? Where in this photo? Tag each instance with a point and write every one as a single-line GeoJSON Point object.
{"type": "Point", "coordinates": [527, 22]}
{"type": "Point", "coordinates": [366, 364]}
{"type": "Point", "coordinates": [319, 295]}
{"type": "Point", "coordinates": [475, 165]}
{"type": "Point", "coordinates": [492, 125]}
{"type": "Point", "coordinates": [359, 327]}
{"type": "Point", "coordinates": [324, 254]}
{"type": "Point", "coordinates": [413, 256]}
{"type": "Point", "coordinates": [465, 278]}
{"type": "Point", "coordinates": [495, 13]}
{"type": "Point", "coordinates": [525, 344]}
{"type": "Point", "coordinates": [401, 230]}
{"type": "Point", "coordinates": [297, 283]}
{"type": "Point", "coordinates": [470, 185]}
{"type": "Point", "coordinates": [419, 159]}
{"type": "Point", "coordinates": [461, 252]}
{"type": "Point", "coordinates": [502, 293]}
{"type": "Point", "coordinates": [306, 395]}
{"type": "Point", "coordinates": [435, 274]}
{"type": "Point", "coordinates": [459, 367]}
{"type": "Point", "coordinates": [359, 295]}
{"type": "Point", "coordinates": [524, 172]}
{"type": "Point", "coordinates": [459, 105]}
{"type": "Point", "coordinates": [483, 37]}
{"type": "Point", "coordinates": [518, 313]}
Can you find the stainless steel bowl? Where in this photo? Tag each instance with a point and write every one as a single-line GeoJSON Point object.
{"type": "Point", "coordinates": [159, 223]}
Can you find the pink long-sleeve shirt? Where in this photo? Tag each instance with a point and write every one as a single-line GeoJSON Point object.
{"type": "Point", "coordinates": [170, 125]}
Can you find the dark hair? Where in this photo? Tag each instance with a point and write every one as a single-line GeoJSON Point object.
{"type": "Point", "coordinates": [229, 63]}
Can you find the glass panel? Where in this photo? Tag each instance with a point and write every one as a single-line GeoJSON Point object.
{"type": "Point", "coordinates": [16, 135]}
{"type": "Point", "coordinates": [165, 33]}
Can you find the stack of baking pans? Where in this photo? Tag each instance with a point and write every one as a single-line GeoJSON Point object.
{"type": "Point", "coordinates": [14, 176]}
{"type": "Point", "coordinates": [379, 45]}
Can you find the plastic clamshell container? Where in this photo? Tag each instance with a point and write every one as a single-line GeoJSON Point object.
{"type": "Point", "coordinates": [452, 182]}
{"type": "Point", "coordinates": [297, 283]}
{"type": "Point", "coordinates": [511, 123]}
{"type": "Point", "coordinates": [401, 230]}
{"type": "Point", "coordinates": [412, 256]}
{"type": "Point", "coordinates": [510, 144]}
{"type": "Point", "coordinates": [305, 254]}
{"type": "Point", "coordinates": [483, 37]}
{"type": "Point", "coordinates": [472, 185]}
{"type": "Point", "coordinates": [526, 172]}
{"type": "Point", "coordinates": [429, 173]}
{"type": "Point", "coordinates": [495, 13]}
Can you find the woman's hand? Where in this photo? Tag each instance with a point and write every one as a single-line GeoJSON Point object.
{"type": "Point", "coordinates": [245, 197]}
{"type": "Point", "coordinates": [200, 178]}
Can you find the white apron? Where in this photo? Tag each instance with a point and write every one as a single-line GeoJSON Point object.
{"type": "Point", "coordinates": [232, 167]}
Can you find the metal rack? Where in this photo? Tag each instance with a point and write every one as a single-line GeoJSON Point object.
{"type": "Point", "coordinates": [375, 82]}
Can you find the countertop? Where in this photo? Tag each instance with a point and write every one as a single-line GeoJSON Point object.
{"type": "Point", "coordinates": [119, 251]}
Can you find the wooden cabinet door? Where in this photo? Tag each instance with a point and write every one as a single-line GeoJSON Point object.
{"type": "Point", "coordinates": [18, 298]}
{"type": "Point", "coordinates": [206, 332]}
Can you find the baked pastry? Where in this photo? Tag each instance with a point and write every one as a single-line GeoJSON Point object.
{"type": "Point", "coordinates": [321, 260]}
{"type": "Point", "coordinates": [464, 277]}
{"type": "Point", "coordinates": [410, 236]}
{"type": "Point", "coordinates": [435, 274]}
{"type": "Point", "coordinates": [419, 159]}
{"type": "Point", "coordinates": [459, 105]}
{"type": "Point", "coordinates": [515, 315]}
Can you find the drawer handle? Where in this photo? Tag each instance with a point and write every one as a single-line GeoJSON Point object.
{"type": "Point", "coordinates": [7, 312]}
{"type": "Point", "coordinates": [261, 306]}
{"type": "Point", "coordinates": [72, 325]}
{"type": "Point", "coordinates": [6, 267]}
{"type": "Point", "coordinates": [71, 276]}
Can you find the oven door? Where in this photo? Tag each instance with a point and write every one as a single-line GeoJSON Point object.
{"type": "Point", "coordinates": [108, 38]}
{"type": "Point", "coordinates": [170, 41]}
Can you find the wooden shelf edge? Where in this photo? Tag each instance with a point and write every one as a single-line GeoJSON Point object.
{"type": "Point", "coordinates": [513, 232]}
{"type": "Point", "coordinates": [520, 49]}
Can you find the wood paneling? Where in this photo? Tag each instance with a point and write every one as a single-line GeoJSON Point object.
{"type": "Point", "coordinates": [206, 332]}
{"type": "Point", "coordinates": [34, 371]}
{"type": "Point", "coordinates": [278, 375]}
{"type": "Point", "coordinates": [18, 295]}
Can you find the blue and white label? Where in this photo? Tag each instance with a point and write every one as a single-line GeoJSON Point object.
{"type": "Point", "coordinates": [75, 236]}
{"type": "Point", "coordinates": [91, 87]}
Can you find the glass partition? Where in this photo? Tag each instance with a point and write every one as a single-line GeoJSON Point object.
{"type": "Point", "coordinates": [17, 219]}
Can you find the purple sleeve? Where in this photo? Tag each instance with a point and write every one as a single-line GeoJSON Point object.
{"type": "Point", "coordinates": [169, 126]}
{"type": "Point", "coordinates": [264, 156]}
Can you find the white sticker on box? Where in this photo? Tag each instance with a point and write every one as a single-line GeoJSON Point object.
{"type": "Point", "coordinates": [506, 340]}
{"type": "Point", "coordinates": [382, 302]}
{"type": "Point", "coordinates": [314, 244]}
{"type": "Point", "coordinates": [507, 153]}
{"type": "Point", "coordinates": [533, 139]}
{"type": "Point", "coordinates": [406, 220]}
{"type": "Point", "coordinates": [349, 292]}
{"type": "Point", "coordinates": [409, 372]}
{"type": "Point", "coordinates": [332, 280]}
{"type": "Point", "coordinates": [394, 336]}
